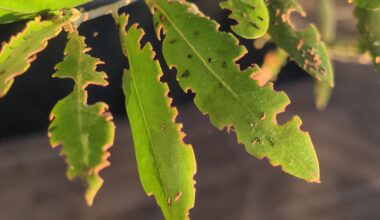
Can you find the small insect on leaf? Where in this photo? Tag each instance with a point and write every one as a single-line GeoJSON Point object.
{"type": "Point", "coordinates": [84, 131]}
{"type": "Point", "coordinates": [230, 96]}
{"type": "Point", "coordinates": [166, 164]}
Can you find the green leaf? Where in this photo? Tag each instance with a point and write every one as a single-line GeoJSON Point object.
{"type": "Point", "coordinates": [85, 131]}
{"type": "Point", "coordinates": [252, 17]}
{"type": "Point", "coordinates": [14, 10]}
{"type": "Point", "coordinates": [17, 55]}
{"type": "Point", "coordinates": [303, 46]}
{"type": "Point", "coordinates": [205, 61]}
{"type": "Point", "coordinates": [166, 164]}
{"type": "Point", "coordinates": [369, 29]}
{"type": "Point", "coordinates": [368, 4]}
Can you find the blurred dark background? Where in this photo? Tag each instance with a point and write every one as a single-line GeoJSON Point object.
{"type": "Point", "coordinates": [230, 183]}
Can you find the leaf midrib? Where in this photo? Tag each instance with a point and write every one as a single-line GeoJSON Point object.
{"type": "Point", "coordinates": [213, 73]}
{"type": "Point", "coordinates": [158, 169]}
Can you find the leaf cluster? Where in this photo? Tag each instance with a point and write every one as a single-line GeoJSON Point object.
{"type": "Point", "coordinates": [205, 59]}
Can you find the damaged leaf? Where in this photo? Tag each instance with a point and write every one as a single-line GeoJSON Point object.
{"type": "Point", "coordinates": [166, 164]}
{"type": "Point", "coordinates": [251, 15]}
{"type": "Point", "coordinates": [303, 46]}
{"type": "Point", "coordinates": [17, 55]}
{"type": "Point", "coordinates": [205, 61]}
{"type": "Point", "coordinates": [84, 131]}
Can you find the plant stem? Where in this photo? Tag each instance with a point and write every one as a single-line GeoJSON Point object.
{"type": "Point", "coordinates": [327, 20]}
{"type": "Point", "coordinates": [101, 11]}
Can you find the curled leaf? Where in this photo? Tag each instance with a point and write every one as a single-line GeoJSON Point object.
{"type": "Point", "coordinates": [251, 15]}
{"type": "Point", "coordinates": [166, 164]}
{"type": "Point", "coordinates": [17, 55]}
{"type": "Point", "coordinates": [85, 131]}
{"type": "Point", "coordinates": [205, 61]}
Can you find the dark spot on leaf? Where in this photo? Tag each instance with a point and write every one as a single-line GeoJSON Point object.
{"type": "Point", "coordinates": [257, 140]}
{"type": "Point", "coordinates": [209, 60]}
{"type": "Point", "coordinates": [220, 85]}
{"type": "Point", "coordinates": [224, 64]}
{"type": "Point", "coordinates": [260, 18]}
{"type": "Point", "coordinates": [254, 25]}
{"type": "Point", "coordinates": [189, 56]}
{"type": "Point", "coordinates": [185, 74]}
{"type": "Point", "coordinates": [52, 129]}
{"type": "Point", "coordinates": [172, 41]}
{"type": "Point", "coordinates": [163, 126]}
{"type": "Point", "coordinates": [251, 6]}
{"type": "Point", "coordinates": [271, 141]}
{"type": "Point", "coordinates": [196, 33]}
{"type": "Point", "coordinates": [162, 17]}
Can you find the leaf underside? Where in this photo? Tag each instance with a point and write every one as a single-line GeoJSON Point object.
{"type": "Point", "coordinates": [166, 164]}
{"type": "Point", "coordinates": [17, 55]}
{"type": "Point", "coordinates": [303, 46]}
{"type": "Point", "coordinates": [251, 15]}
{"type": "Point", "coordinates": [205, 61]}
{"type": "Point", "coordinates": [84, 131]}
{"type": "Point", "coordinates": [15, 10]}
{"type": "Point", "coordinates": [369, 28]}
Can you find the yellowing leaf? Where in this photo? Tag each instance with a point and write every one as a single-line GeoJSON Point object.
{"type": "Point", "coordinates": [205, 61]}
{"type": "Point", "coordinates": [84, 131]}
{"type": "Point", "coordinates": [251, 15]}
{"type": "Point", "coordinates": [16, 56]}
{"type": "Point", "coordinates": [166, 164]}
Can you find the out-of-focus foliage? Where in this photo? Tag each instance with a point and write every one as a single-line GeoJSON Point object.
{"type": "Point", "coordinates": [368, 4]}
{"type": "Point", "coordinates": [369, 28]}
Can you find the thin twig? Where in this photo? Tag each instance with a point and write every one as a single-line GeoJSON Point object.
{"type": "Point", "coordinates": [101, 11]}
